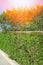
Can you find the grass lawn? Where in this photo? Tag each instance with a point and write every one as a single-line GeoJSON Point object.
{"type": "Point", "coordinates": [24, 48]}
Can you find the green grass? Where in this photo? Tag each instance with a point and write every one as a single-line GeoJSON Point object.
{"type": "Point", "coordinates": [24, 48]}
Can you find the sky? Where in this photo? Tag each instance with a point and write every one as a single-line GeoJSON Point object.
{"type": "Point", "coordinates": [9, 4]}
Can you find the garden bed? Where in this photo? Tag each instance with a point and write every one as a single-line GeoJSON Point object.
{"type": "Point", "coordinates": [26, 49]}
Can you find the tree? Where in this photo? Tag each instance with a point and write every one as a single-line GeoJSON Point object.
{"type": "Point", "coordinates": [5, 22]}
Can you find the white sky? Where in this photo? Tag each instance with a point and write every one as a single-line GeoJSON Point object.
{"type": "Point", "coordinates": [22, 3]}
{"type": "Point", "coordinates": [9, 4]}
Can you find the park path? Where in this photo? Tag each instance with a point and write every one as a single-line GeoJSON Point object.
{"type": "Point", "coordinates": [4, 60]}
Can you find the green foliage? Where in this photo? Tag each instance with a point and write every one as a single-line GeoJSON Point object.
{"type": "Point", "coordinates": [24, 48]}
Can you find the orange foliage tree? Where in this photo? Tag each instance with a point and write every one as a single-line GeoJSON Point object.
{"type": "Point", "coordinates": [23, 15]}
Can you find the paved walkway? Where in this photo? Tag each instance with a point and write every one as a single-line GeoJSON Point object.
{"type": "Point", "coordinates": [4, 60]}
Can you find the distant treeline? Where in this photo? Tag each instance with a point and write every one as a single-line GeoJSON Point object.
{"type": "Point", "coordinates": [22, 20]}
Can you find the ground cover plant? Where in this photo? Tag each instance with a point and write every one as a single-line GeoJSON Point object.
{"type": "Point", "coordinates": [26, 49]}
